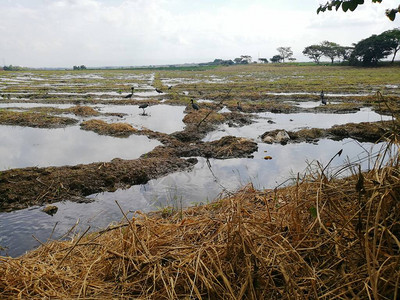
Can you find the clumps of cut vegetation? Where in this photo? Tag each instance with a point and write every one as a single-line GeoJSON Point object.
{"type": "Point", "coordinates": [342, 107]}
{"type": "Point", "coordinates": [362, 132]}
{"type": "Point", "coordinates": [21, 188]}
{"type": "Point", "coordinates": [323, 237]}
{"type": "Point", "coordinates": [113, 129]}
{"type": "Point", "coordinates": [195, 117]}
{"type": "Point", "coordinates": [33, 119]}
{"type": "Point", "coordinates": [83, 111]}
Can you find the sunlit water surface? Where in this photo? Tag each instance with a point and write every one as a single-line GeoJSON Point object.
{"type": "Point", "coordinates": [27, 147]}
{"type": "Point", "coordinates": [293, 122]}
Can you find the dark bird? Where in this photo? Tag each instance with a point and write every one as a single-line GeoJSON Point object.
{"type": "Point", "coordinates": [131, 94]}
{"type": "Point", "coordinates": [159, 91]}
{"type": "Point", "coordinates": [239, 107]}
{"type": "Point", "coordinates": [194, 105]}
{"type": "Point", "coordinates": [323, 101]}
{"type": "Point", "coordinates": [143, 106]}
{"type": "Point", "coordinates": [170, 87]}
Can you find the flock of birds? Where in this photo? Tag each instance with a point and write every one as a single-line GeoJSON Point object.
{"type": "Point", "coordinates": [195, 106]}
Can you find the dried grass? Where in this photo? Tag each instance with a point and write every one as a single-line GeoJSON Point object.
{"type": "Point", "coordinates": [83, 111]}
{"type": "Point", "coordinates": [114, 129]}
{"type": "Point", "coordinates": [320, 238]}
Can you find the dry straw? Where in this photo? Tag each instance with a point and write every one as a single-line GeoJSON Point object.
{"type": "Point", "coordinates": [324, 237]}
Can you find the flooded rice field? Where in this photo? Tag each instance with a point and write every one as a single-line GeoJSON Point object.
{"type": "Point", "coordinates": [162, 123]}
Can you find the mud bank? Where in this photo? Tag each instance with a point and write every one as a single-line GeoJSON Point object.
{"type": "Point", "coordinates": [362, 132]}
{"type": "Point", "coordinates": [21, 188]}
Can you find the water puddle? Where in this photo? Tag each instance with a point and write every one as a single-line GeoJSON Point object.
{"type": "Point", "coordinates": [20, 105]}
{"type": "Point", "coordinates": [162, 118]}
{"type": "Point", "coordinates": [27, 147]}
{"type": "Point", "coordinates": [202, 184]}
{"type": "Point", "coordinates": [269, 121]}
{"type": "Point", "coordinates": [204, 101]}
{"type": "Point", "coordinates": [146, 94]}
{"type": "Point", "coordinates": [317, 94]}
{"type": "Point", "coordinates": [309, 104]}
{"type": "Point", "coordinates": [224, 110]}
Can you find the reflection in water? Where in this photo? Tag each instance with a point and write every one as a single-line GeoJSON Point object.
{"type": "Point", "coordinates": [26, 147]}
{"type": "Point", "coordinates": [162, 118]}
{"type": "Point", "coordinates": [294, 121]}
{"type": "Point", "coordinates": [201, 184]}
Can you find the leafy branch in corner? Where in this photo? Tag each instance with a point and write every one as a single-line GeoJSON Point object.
{"type": "Point", "coordinates": [352, 5]}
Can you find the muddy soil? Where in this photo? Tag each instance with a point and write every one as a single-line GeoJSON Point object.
{"type": "Point", "coordinates": [21, 188]}
{"type": "Point", "coordinates": [363, 132]}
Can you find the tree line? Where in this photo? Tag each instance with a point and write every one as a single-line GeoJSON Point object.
{"type": "Point", "coordinates": [367, 52]}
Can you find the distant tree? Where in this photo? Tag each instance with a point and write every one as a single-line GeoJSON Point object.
{"type": "Point", "coordinates": [82, 67]}
{"type": "Point", "coordinates": [246, 59]}
{"type": "Point", "coordinates": [263, 60]}
{"type": "Point", "coordinates": [330, 49]}
{"type": "Point", "coordinates": [291, 58]}
{"type": "Point", "coordinates": [352, 5]}
{"type": "Point", "coordinates": [344, 53]}
{"type": "Point", "coordinates": [394, 36]}
{"type": "Point", "coordinates": [276, 59]}
{"type": "Point", "coordinates": [370, 50]}
{"type": "Point", "coordinates": [237, 60]}
{"type": "Point", "coordinates": [285, 52]}
{"type": "Point", "coordinates": [315, 52]}
{"type": "Point", "coordinates": [219, 61]}
{"type": "Point", "coordinates": [13, 68]}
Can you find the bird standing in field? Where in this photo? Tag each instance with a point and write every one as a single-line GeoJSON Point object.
{"type": "Point", "coordinates": [194, 105]}
{"type": "Point", "coordinates": [323, 101]}
{"type": "Point", "coordinates": [159, 91]}
{"type": "Point", "coordinates": [143, 106]}
{"type": "Point", "coordinates": [131, 94]}
{"type": "Point", "coordinates": [239, 107]}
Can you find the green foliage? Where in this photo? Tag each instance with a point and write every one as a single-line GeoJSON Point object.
{"type": "Point", "coordinates": [370, 50]}
{"type": "Point", "coordinates": [285, 52]}
{"type": "Point", "coordinates": [82, 67]}
{"type": "Point", "coordinates": [352, 5]}
{"type": "Point", "coordinates": [276, 59]}
{"type": "Point", "coordinates": [13, 68]}
{"type": "Point", "coordinates": [315, 52]}
{"type": "Point", "coordinates": [394, 36]}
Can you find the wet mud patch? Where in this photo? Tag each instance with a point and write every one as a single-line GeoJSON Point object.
{"type": "Point", "coordinates": [21, 188]}
{"type": "Point", "coordinates": [362, 132]}
{"type": "Point", "coordinates": [226, 147]}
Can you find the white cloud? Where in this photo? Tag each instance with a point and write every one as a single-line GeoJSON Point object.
{"type": "Point", "coordinates": [135, 32]}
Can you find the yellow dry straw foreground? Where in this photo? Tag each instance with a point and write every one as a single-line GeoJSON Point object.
{"type": "Point", "coordinates": [320, 238]}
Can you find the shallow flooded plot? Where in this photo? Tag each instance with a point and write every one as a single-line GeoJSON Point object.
{"type": "Point", "coordinates": [295, 121]}
{"type": "Point", "coordinates": [200, 185]}
{"type": "Point", "coordinates": [162, 118]}
{"type": "Point", "coordinates": [33, 105]}
{"type": "Point", "coordinates": [28, 147]}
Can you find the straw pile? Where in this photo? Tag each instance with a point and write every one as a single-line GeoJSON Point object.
{"type": "Point", "coordinates": [320, 238]}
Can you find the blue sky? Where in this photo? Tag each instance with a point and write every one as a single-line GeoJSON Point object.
{"type": "Point", "coordinates": [63, 33]}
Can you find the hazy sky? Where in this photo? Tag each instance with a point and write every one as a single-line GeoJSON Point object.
{"type": "Point", "coordinates": [63, 33]}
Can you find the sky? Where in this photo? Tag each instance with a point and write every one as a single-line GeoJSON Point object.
{"type": "Point", "coordinates": [95, 33]}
